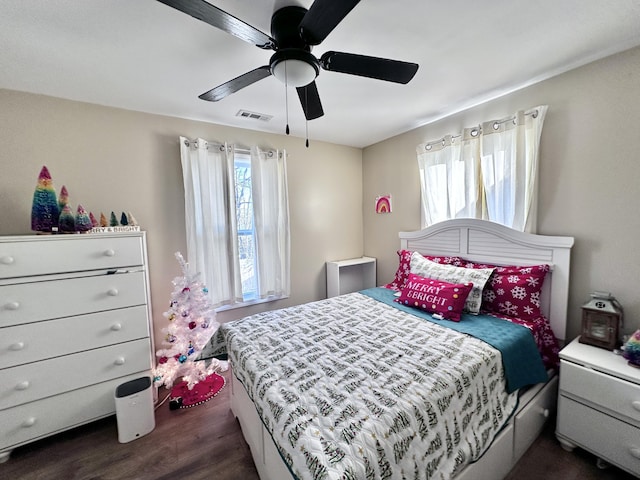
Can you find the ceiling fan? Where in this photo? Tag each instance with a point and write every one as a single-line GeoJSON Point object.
{"type": "Point", "coordinates": [294, 30]}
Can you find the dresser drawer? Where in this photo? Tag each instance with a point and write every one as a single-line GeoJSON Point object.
{"type": "Point", "coordinates": [41, 340]}
{"type": "Point", "coordinates": [42, 255]}
{"type": "Point", "coordinates": [603, 391]}
{"type": "Point", "coordinates": [51, 415]}
{"type": "Point", "coordinates": [35, 301]}
{"type": "Point", "coordinates": [607, 437]}
{"type": "Point", "coordinates": [32, 381]}
{"type": "Point", "coordinates": [531, 418]}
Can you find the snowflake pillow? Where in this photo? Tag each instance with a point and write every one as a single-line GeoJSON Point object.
{"type": "Point", "coordinates": [404, 267]}
{"type": "Point", "coordinates": [434, 296]}
{"type": "Point", "coordinates": [452, 274]}
{"type": "Point", "coordinates": [513, 290]}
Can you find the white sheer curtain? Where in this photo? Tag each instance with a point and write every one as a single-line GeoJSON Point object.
{"type": "Point", "coordinates": [510, 152]}
{"type": "Point", "coordinates": [271, 216]}
{"type": "Point", "coordinates": [489, 171]}
{"type": "Point", "coordinates": [449, 176]}
{"type": "Point", "coordinates": [208, 175]}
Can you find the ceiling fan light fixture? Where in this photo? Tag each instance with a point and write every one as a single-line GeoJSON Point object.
{"type": "Point", "coordinates": [294, 68]}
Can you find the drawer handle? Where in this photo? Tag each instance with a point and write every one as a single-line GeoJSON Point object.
{"type": "Point", "coordinates": [23, 385]}
{"type": "Point", "coordinates": [113, 292]}
{"type": "Point", "coordinates": [544, 412]}
{"type": "Point", "coordinates": [119, 361]}
{"type": "Point", "coordinates": [8, 260]}
{"type": "Point", "coordinates": [17, 346]}
{"type": "Point", "coordinates": [116, 326]}
{"type": "Point", "coordinates": [12, 305]}
{"type": "Point", "coordinates": [635, 452]}
{"type": "Point", "coordinates": [636, 404]}
{"type": "Point", "coordinates": [29, 422]}
{"type": "Point", "coordinates": [109, 253]}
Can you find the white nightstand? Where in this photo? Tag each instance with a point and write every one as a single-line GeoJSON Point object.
{"type": "Point", "coordinates": [346, 276]}
{"type": "Point", "coordinates": [599, 405]}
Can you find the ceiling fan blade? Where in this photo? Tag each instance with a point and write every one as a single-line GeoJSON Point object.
{"type": "Point", "coordinates": [310, 100]}
{"type": "Point", "coordinates": [372, 67]}
{"type": "Point", "coordinates": [224, 21]}
{"type": "Point", "coordinates": [323, 16]}
{"type": "Point", "coordinates": [238, 83]}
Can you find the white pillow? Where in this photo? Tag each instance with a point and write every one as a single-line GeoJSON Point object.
{"type": "Point", "coordinates": [449, 273]}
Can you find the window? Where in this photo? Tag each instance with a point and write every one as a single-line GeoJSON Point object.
{"type": "Point", "coordinates": [245, 223]}
{"type": "Point", "coordinates": [237, 221]}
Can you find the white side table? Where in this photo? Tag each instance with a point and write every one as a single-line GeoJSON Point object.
{"type": "Point", "coordinates": [346, 276]}
{"type": "Point", "coordinates": [599, 405]}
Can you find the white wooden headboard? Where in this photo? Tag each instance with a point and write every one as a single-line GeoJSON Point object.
{"type": "Point", "coordinates": [489, 242]}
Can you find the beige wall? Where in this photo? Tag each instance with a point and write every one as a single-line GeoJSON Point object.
{"type": "Point", "coordinates": [118, 160]}
{"type": "Point", "coordinates": [589, 177]}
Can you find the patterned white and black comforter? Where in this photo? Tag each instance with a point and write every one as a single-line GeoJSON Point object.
{"type": "Point", "coordinates": [352, 388]}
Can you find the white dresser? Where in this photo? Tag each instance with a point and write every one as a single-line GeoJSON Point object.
{"type": "Point", "coordinates": [74, 324]}
{"type": "Point", "coordinates": [599, 405]}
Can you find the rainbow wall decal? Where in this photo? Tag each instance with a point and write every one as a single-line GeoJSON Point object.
{"type": "Point", "coordinates": [383, 204]}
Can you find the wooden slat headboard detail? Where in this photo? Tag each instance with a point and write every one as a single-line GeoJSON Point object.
{"type": "Point", "coordinates": [489, 242]}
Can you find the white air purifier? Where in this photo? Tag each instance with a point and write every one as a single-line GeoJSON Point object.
{"type": "Point", "coordinates": [134, 409]}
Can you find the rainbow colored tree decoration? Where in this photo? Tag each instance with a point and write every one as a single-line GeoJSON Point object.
{"type": "Point", "coordinates": [44, 212]}
{"type": "Point", "coordinates": [67, 222]}
{"type": "Point", "coordinates": [63, 198]}
{"type": "Point", "coordinates": [83, 221]}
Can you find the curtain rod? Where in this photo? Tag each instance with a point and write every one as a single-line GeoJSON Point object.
{"type": "Point", "coordinates": [477, 130]}
{"type": "Point", "coordinates": [221, 147]}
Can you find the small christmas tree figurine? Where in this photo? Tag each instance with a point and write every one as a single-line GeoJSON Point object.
{"type": "Point", "coordinates": [191, 324]}
{"type": "Point", "coordinates": [83, 220]}
{"type": "Point", "coordinates": [94, 222]}
{"type": "Point", "coordinates": [63, 198]}
{"type": "Point", "coordinates": [45, 211]}
{"type": "Point", "coordinates": [123, 219]}
{"type": "Point", "coordinates": [67, 222]}
{"type": "Point", "coordinates": [131, 220]}
{"type": "Point", "coordinates": [113, 221]}
{"type": "Point", "coordinates": [103, 220]}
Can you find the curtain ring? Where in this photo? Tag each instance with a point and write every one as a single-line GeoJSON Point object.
{"type": "Point", "coordinates": [535, 113]}
{"type": "Point", "coordinates": [496, 125]}
{"type": "Point", "coordinates": [428, 146]}
{"type": "Point", "coordinates": [222, 149]}
{"type": "Point", "coordinates": [474, 132]}
{"type": "Point", "coordinates": [270, 154]}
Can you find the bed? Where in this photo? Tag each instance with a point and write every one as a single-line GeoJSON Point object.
{"type": "Point", "coordinates": [419, 397]}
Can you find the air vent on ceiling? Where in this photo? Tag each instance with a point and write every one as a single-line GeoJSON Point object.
{"type": "Point", "coordinates": [253, 115]}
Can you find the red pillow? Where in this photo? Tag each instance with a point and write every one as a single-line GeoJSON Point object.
{"type": "Point", "coordinates": [513, 290]}
{"type": "Point", "coordinates": [404, 267]}
{"type": "Point", "coordinates": [435, 296]}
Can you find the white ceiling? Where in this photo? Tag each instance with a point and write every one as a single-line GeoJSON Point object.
{"type": "Point", "coordinates": [145, 56]}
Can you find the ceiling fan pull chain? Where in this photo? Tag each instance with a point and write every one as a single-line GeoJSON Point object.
{"type": "Point", "coordinates": [306, 121]}
{"type": "Point", "coordinates": [286, 97]}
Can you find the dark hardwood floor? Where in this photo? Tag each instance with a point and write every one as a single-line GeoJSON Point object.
{"type": "Point", "coordinates": [205, 442]}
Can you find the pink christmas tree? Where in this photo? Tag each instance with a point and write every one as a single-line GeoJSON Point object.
{"type": "Point", "coordinates": [192, 322]}
{"type": "Point", "coordinates": [45, 211]}
{"type": "Point", "coordinates": [94, 222]}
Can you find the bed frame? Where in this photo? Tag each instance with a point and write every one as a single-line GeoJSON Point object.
{"type": "Point", "coordinates": [480, 241]}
